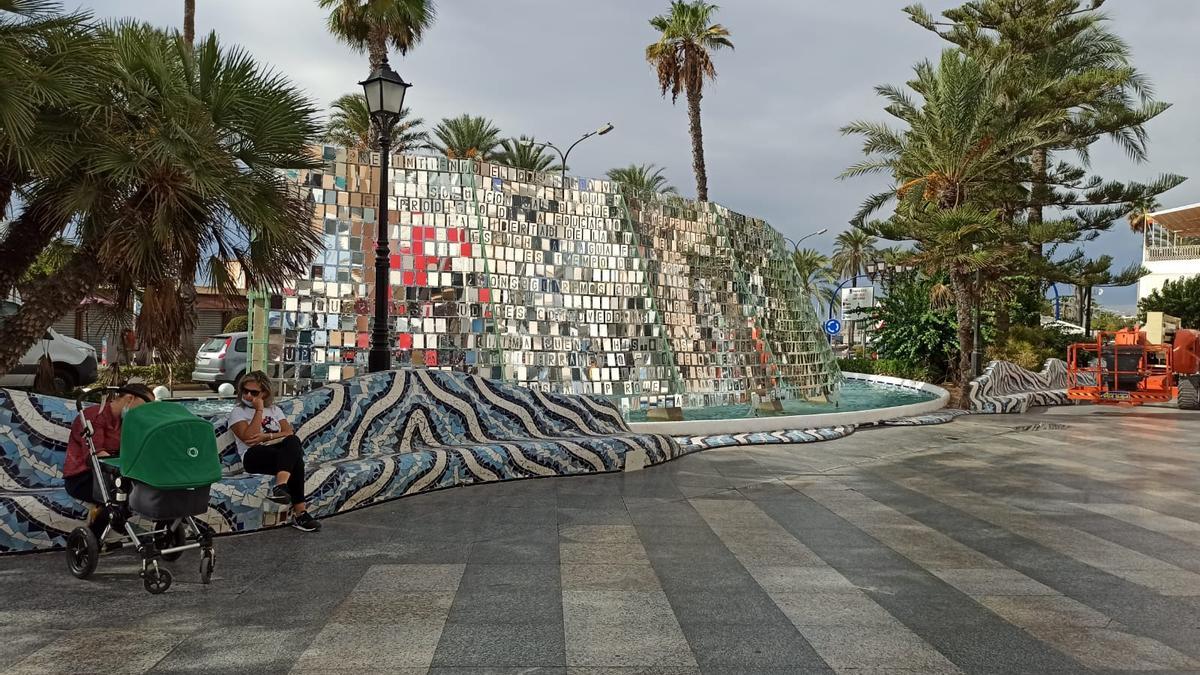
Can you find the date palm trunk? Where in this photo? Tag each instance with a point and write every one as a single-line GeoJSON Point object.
{"type": "Point", "coordinates": [46, 302]}
{"type": "Point", "coordinates": [28, 235]}
{"type": "Point", "coordinates": [964, 306]}
{"type": "Point", "coordinates": [189, 22]}
{"type": "Point", "coordinates": [697, 133]}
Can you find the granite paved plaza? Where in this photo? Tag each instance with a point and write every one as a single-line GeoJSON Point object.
{"type": "Point", "coordinates": [1046, 543]}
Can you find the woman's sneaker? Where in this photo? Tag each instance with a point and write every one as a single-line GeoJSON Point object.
{"type": "Point", "coordinates": [305, 523]}
{"type": "Point", "coordinates": [280, 495]}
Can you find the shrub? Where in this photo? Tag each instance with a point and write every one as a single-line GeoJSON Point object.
{"type": "Point", "coordinates": [1029, 347]}
{"type": "Point", "coordinates": [237, 324]}
{"type": "Point", "coordinates": [1176, 298]}
{"type": "Point", "coordinates": [888, 367]}
{"type": "Point", "coordinates": [914, 334]}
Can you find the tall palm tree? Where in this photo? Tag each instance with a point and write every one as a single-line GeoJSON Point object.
{"type": "Point", "coordinates": [185, 166]}
{"type": "Point", "coordinates": [642, 178]}
{"type": "Point", "coordinates": [350, 126]}
{"type": "Point", "coordinates": [466, 137]}
{"type": "Point", "coordinates": [189, 21]}
{"type": "Point", "coordinates": [370, 25]}
{"type": "Point", "coordinates": [682, 57]}
{"type": "Point", "coordinates": [526, 153]}
{"type": "Point", "coordinates": [1139, 213]}
{"type": "Point", "coordinates": [853, 249]}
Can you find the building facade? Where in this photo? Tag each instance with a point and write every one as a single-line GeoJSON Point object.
{"type": "Point", "coordinates": [648, 299]}
{"type": "Point", "coordinates": [1171, 248]}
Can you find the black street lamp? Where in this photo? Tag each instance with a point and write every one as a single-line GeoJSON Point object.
{"type": "Point", "coordinates": [796, 244]}
{"type": "Point", "coordinates": [883, 272]}
{"type": "Point", "coordinates": [563, 155]}
{"type": "Point", "coordinates": [385, 100]}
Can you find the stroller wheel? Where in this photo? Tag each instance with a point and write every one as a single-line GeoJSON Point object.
{"type": "Point", "coordinates": [174, 536]}
{"type": "Point", "coordinates": [83, 552]}
{"type": "Point", "coordinates": [207, 562]}
{"type": "Point", "coordinates": [156, 579]}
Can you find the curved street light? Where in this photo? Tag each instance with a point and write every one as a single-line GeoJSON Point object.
{"type": "Point", "coordinates": [563, 155]}
{"type": "Point", "coordinates": [796, 244]}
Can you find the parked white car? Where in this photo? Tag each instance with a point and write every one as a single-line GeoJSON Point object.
{"type": "Point", "coordinates": [74, 361]}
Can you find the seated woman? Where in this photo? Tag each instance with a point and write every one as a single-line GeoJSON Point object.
{"type": "Point", "coordinates": [268, 446]}
{"type": "Point", "coordinates": [106, 426]}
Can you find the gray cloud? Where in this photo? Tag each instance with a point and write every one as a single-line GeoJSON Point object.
{"type": "Point", "coordinates": [802, 68]}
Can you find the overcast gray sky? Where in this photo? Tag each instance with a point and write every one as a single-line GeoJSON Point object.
{"type": "Point", "coordinates": [802, 68]}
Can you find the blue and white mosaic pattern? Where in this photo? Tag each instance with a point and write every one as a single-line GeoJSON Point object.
{"type": "Point", "coordinates": [367, 440]}
{"type": "Point", "coordinates": [943, 416]}
{"type": "Point", "coordinates": [690, 444]}
{"type": "Point", "coordinates": [1008, 388]}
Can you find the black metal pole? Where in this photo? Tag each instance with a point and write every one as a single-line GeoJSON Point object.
{"type": "Point", "coordinates": [380, 358]}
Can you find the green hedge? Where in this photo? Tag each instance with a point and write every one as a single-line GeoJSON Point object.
{"type": "Point", "coordinates": [888, 367]}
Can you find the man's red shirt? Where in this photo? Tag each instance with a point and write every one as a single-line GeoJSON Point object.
{"type": "Point", "coordinates": [107, 439]}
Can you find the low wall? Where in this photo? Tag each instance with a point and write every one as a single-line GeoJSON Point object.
{"type": "Point", "coordinates": [1008, 388]}
{"type": "Point", "coordinates": [367, 440]}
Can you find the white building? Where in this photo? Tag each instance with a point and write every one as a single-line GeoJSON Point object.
{"type": "Point", "coordinates": [1170, 248]}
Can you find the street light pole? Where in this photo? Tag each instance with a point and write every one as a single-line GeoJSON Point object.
{"type": "Point", "coordinates": [384, 91]}
{"type": "Point", "coordinates": [796, 244]}
{"type": "Point", "coordinates": [563, 155]}
{"type": "Point", "coordinates": [977, 338]}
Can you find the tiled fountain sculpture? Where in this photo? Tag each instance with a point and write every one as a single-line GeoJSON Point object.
{"type": "Point", "coordinates": [369, 439]}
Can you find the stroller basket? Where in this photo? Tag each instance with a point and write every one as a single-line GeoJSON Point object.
{"type": "Point", "coordinates": [159, 504]}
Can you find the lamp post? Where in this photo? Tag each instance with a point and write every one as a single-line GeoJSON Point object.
{"type": "Point", "coordinates": [796, 244]}
{"type": "Point", "coordinates": [385, 92]}
{"type": "Point", "coordinates": [977, 329]}
{"type": "Point", "coordinates": [563, 155]}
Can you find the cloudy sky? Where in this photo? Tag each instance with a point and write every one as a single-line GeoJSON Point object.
{"type": "Point", "coordinates": [802, 69]}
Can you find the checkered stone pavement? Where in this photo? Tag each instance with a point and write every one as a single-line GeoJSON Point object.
{"type": "Point", "coordinates": [1065, 541]}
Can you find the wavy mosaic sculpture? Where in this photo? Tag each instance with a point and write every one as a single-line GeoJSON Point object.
{"type": "Point", "coordinates": [367, 440]}
{"type": "Point", "coordinates": [1008, 388]}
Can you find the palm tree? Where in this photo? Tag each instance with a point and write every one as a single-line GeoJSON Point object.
{"type": "Point", "coordinates": [189, 21]}
{"type": "Point", "coordinates": [853, 249]}
{"type": "Point", "coordinates": [466, 137]}
{"type": "Point", "coordinates": [49, 70]}
{"type": "Point", "coordinates": [956, 155]}
{"type": "Point", "coordinates": [350, 127]}
{"type": "Point", "coordinates": [370, 25]}
{"type": "Point", "coordinates": [1065, 70]}
{"type": "Point", "coordinates": [526, 153]}
{"type": "Point", "coordinates": [1139, 213]}
{"type": "Point", "coordinates": [183, 171]}
{"type": "Point", "coordinates": [642, 178]}
{"type": "Point", "coordinates": [682, 57]}
{"type": "Point", "coordinates": [815, 274]}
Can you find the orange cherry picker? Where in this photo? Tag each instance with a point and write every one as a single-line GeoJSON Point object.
{"type": "Point", "coordinates": [1156, 363]}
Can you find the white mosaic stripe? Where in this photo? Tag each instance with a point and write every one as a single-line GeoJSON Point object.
{"type": "Point", "coordinates": [327, 415]}
{"type": "Point", "coordinates": [519, 412]}
{"type": "Point", "coordinates": [473, 426]}
{"type": "Point", "coordinates": [564, 412]}
{"type": "Point", "coordinates": [441, 458]}
{"type": "Point", "coordinates": [369, 492]}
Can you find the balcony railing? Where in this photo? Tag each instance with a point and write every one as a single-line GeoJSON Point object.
{"type": "Point", "coordinates": [1185, 252]}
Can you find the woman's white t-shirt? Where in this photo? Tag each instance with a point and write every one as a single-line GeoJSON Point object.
{"type": "Point", "coordinates": [272, 416]}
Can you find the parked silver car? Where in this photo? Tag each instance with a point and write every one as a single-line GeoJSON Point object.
{"type": "Point", "coordinates": [222, 358]}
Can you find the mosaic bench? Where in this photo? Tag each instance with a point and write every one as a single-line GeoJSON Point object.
{"type": "Point", "coordinates": [367, 440]}
{"type": "Point", "coordinates": [1008, 388]}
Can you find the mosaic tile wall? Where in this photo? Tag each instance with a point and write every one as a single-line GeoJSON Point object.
{"type": "Point", "coordinates": [498, 272]}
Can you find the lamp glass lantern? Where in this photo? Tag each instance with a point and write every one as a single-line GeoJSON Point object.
{"type": "Point", "coordinates": [385, 92]}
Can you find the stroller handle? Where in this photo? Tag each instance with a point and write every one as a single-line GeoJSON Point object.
{"type": "Point", "coordinates": [118, 390]}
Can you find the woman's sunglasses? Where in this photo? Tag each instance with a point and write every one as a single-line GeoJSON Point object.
{"type": "Point", "coordinates": [252, 392]}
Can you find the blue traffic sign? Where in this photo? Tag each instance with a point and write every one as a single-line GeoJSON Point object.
{"type": "Point", "coordinates": [833, 327]}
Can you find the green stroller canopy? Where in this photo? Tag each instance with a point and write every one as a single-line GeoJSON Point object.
{"type": "Point", "coordinates": [166, 447]}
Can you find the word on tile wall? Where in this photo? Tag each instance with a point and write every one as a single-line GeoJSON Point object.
{"type": "Point", "coordinates": [652, 300]}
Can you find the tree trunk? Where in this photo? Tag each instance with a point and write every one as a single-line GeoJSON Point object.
{"type": "Point", "coordinates": [47, 301]}
{"type": "Point", "coordinates": [966, 335]}
{"type": "Point", "coordinates": [377, 47]}
{"type": "Point", "coordinates": [27, 237]}
{"type": "Point", "coordinates": [1038, 162]}
{"type": "Point", "coordinates": [189, 22]}
{"type": "Point", "coordinates": [693, 101]}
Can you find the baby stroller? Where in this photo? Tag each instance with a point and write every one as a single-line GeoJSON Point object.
{"type": "Point", "coordinates": [167, 463]}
